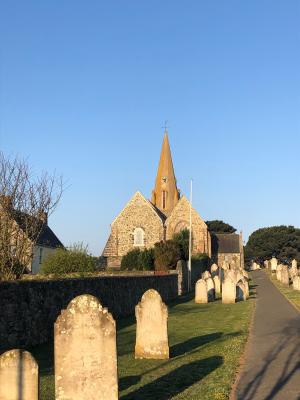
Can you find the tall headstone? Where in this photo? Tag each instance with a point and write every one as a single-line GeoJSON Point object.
{"type": "Point", "coordinates": [294, 263]}
{"type": "Point", "coordinates": [244, 281]}
{"type": "Point", "coordinates": [241, 291]}
{"type": "Point", "coordinates": [19, 378]}
{"type": "Point", "coordinates": [206, 275]}
{"type": "Point", "coordinates": [214, 270]}
{"type": "Point", "coordinates": [201, 292]}
{"type": "Point", "coordinates": [85, 352]}
{"type": "Point", "coordinates": [228, 291]}
{"type": "Point", "coordinates": [278, 272]}
{"type": "Point", "coordinates": [285, 280]}
{"type": "Point", "coordinates": [210, 289]}
{"type": "Point", "coordinates": [217, 283]}
{"type": "Point", "coordinates": [296, 283]}
{"type": "Point", "coordinates": [274, 264]}
{"type": "Point", "coordinates": [152, 327]}
{"type": "Point", "coordinates": [293, 271]}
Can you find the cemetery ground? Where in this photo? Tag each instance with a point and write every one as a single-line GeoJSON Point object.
{"type": "Point", "coordinates": [206, 344]}
{"type": "Point", "coordinates": [292, 295]}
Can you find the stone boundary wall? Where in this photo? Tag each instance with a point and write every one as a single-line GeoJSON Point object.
{"type": "Point", "coordinates": [28, 309]}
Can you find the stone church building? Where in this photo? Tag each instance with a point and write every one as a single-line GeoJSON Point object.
{"type": "Point", "coordinates": [142, 222]}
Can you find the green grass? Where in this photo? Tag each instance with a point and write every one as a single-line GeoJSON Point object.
{"type": "Point", "coordinates": [292, 295]}
{"type": "Point", "coordinates": [206, 342]}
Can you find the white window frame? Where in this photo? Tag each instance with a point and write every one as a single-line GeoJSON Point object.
{"type": "Point", "coordinates": [139, 233]}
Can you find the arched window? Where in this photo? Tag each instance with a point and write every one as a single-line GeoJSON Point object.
{"type": "Point", "coordinates": [138, 237]}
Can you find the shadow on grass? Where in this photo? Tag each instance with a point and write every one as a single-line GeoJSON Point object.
{"type": "Point", "coordinates": [127, 381]}
{"type": "Point", "coordinates": [175, 382]}
{"type": "Point", "coordinates": [191, 344]}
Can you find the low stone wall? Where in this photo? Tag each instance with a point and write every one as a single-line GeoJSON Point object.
{"type": "Point", "coordinates": [28, 309]}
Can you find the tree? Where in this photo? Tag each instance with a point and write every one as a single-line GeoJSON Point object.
{"type": "Point", "coordinates": [218, 226]}
{"type": "Point", "coordinates": [65, 261]}
{"type": "Point", "coordinates": [182, 239]}
{"type": "Point", "coordinates": [166, 255]}
{"type": "Point", "coordinates": [25, 203]}
{"type": "Point", "coordinates": [283, 242]}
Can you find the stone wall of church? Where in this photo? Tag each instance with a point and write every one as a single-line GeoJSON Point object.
{"type": "Point", "coordinates": [28, 309]}
{"type": "Point", "coordinates": [179, 219]}
{"type": "Point", "coordinates": [138, 213]}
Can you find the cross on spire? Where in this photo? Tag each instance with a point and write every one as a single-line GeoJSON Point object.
{"type": "Point", "coordinates": [165, 127]}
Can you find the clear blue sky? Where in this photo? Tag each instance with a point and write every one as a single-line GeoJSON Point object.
{"type": "Point", "coordinates": [85, 87]}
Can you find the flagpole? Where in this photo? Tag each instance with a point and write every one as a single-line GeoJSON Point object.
{"type": "Point", "coordinates": [190, 241]}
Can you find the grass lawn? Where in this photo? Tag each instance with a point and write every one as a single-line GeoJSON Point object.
{"type": "Point", "coordinates": [292, 295]}
{"type": "Point", "coordinates": [206, 342]}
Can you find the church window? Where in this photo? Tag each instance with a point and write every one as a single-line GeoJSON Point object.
{"type": "Point", "coordinates": [138, 237]}
{"type": "Point", "coordinates": [164, 199]}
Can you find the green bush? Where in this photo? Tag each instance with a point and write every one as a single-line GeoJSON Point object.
{"type": "Point", "coordinates": [62, 261]}
{"type": "Point", "coordinates": [146, 260]}
{"type": "Point", "coordinates": [166, 255]}
{"type": "Point", "coordinates": [131, 260]}
{"type": "Point", "coordinates": [182, 239]}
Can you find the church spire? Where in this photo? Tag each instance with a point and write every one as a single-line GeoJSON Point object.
{"type": "Point", "coordinates": [165, 194]}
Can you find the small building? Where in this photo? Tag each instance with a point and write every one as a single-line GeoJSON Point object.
{"type": "Point", "coordinates": [227, 247]}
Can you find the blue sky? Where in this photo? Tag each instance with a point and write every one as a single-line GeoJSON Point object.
{"type": "Point", "coordinates": [85, 87]}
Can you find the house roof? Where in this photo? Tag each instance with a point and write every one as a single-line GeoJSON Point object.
{"type": "Point", "coordinates": [46, 236]}
{"type": "Point", "coordinates": [225, 243]}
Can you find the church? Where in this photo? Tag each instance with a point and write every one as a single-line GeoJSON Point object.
{"type": "Point", "coordinates": [142, 222]}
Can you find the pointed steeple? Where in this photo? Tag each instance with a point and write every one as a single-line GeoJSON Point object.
{"type": "Point", "coordinates": [165, 194]}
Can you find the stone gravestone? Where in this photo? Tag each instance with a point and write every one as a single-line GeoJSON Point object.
{"type": "Point", "coordinates": [285, 275]}
{"type": "Point", "coordinates": [240, 291]}
{"type": "Point", "coordinates": [246, 286]}
{"type": "Point", "coordinates": [296, 283]}
{"type": "Point", "coordinates": [274, 264]}
{"type": "Point", "coordinates": [201, 292]}
{"type": "Point", "coordinates": [217, 283]}
{"type": "Point", "coordinates": [85, 352]}
{"type": "Point", "coordinates": [206, 275]}
{"type": "Point", "coordinates": [152, 327]}
{"type": "Point", "coordinates": [19, 377]}
{"type": "Point", "coordinates": [210, 289]}
{"type": "Point", "coordinates": [294, 263]}
{"type": "Point", "coordinates": [278, 272]}
{"type": "Point", "coordinates": [214, 269]}
{"type": "Point", "coordinates": [293, 271]}
{"type": "Point", "coordinates": [228, 291]}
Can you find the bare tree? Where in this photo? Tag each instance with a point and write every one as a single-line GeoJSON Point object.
{"type": "Point", "coordinates": [25, 203]}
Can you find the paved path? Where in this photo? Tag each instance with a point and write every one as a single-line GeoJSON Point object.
{"type": "Point", "coordinates": [272, 362]}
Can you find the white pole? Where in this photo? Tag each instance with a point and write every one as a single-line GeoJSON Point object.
{"type": "Point", "coordinates": [190, 241]}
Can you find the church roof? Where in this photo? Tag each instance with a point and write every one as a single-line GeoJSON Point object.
{"type": "Point", "coordinates": [225, 243]}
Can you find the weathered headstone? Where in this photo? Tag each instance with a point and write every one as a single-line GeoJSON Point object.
{"type": "Point", "coordinates": [285, 280]}
{"type": "Point", "coordinates": [294, 263]}
{"type": "Point", "coordinates": [201, 292]}
{"type": "Point", "coordinates": [214, 269]}
{"type": "Point", "coordinates": [293, 271]}
{"type": "Point", "coordinates": [85, 352]}
{"type": "Point", "coordinates": [206, 275]}
{"type": "Point", "coordinates": [296, 283]}
{"type": "Point", "coordinates": [217, 283]}
{"type": "Point", "coordinates": [274, 264]}
{"type": "Point", "coordinates": [246, 286]}
{"type": "Point", "coordinates": [278, 272]}
{"type": "Point", "coordinates": [241, 291]}
{"type": "Point", "coordinates": [210, 289]}
{"type": "Point", "coordinates": [18, 376]}
{"type": "Point", "coordinates": [152, 327]}
{"type": "Point", "coordinates": [228, 291]}
{"type": "Point", "coordinates": [232, 275]}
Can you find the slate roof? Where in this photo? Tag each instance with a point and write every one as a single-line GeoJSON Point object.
{"type": "Point", "coordinates": [46, 237]}
{"type": "Point", "coordinates": [225, 243]}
